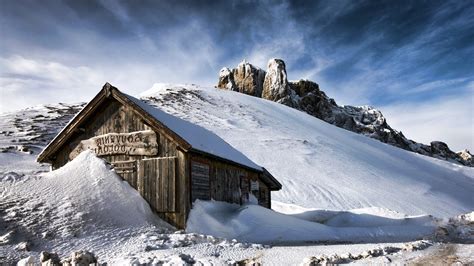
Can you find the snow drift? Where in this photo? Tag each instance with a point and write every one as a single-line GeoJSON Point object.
{"type": "Point", "coordinates": [91, 192]}
{"type": "Point", "coordinates": [84, 204]}
{"type": "Point", "coordinates": [257, 224]}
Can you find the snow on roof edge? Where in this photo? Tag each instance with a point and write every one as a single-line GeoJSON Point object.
{"type": "Point", "coordinates": [221, 149]}
{"type": "Point", "coordinates": [199, 138]}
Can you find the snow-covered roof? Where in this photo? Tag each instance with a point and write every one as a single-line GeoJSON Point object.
{"type": "Point", "coordinates": [198, 137]}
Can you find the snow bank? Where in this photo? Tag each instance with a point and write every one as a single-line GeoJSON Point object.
{"type": "Point", "coordinates": [87, 188]}
{"type": "Point", "coordinates": [84, 204]}
{"type": "Point", "coordinates": [253, 223]}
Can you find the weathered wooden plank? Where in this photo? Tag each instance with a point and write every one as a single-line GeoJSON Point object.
{"type": "Point", "coordinates": [149, 178]}
{"type": "Point", "coordinates": [153, 181]}
{"type": "Point", "coordinates": [140, 177]}
{"type": "Point", "coordinates": [172, 182]}
{"type": "Point", "coordinates": [168, 185]}
{"type": "Point", "coordinates": [163, 172]}
{"type": "Point", "coordinates": [200, 181]}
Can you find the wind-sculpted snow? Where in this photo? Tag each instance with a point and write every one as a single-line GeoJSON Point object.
{"type": "Point", "coordinates": [322, 166]}
{"type": "Point", "coordinates": [81, 200]}
{"type": "Point", "coordinates": [254, 223]}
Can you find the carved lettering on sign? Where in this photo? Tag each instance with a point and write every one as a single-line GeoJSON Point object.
{"type": "Point", "coordinates": [134, 143]}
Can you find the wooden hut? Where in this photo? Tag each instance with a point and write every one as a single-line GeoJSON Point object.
{"type": "Point", "coordinates": [171, 162]}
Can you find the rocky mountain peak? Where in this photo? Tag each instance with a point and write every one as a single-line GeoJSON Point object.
{"type": "Point", "coordinates": [305, 95]}
{"type": "Point", "coordinates": [276, 86]}
{"type": "Point", "coordinates": [246, 78]}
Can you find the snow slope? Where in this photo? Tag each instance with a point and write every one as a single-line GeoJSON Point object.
{"type": "Point", "coordinates": [322, 166]}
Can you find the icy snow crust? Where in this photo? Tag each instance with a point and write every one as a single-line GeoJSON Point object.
{"type": "Point", "coordinates": [319, 165]}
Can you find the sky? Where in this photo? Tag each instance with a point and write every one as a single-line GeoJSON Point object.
{"type": "Point", "coordinates": [414, 60]}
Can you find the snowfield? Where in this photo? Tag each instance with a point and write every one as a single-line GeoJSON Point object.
{"type": "Point", "coordinates": [345, 198]}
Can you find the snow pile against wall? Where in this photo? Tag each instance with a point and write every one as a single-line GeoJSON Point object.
{"type": "Point", "coordinates": [95, 193]}
{"type": "Point", "coordinates": [254, 223]}
{"type": "Point", "coordinates": [80, 202]}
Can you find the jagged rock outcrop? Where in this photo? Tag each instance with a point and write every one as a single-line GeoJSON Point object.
{"type": "Point", "coordinates": [276, 87]}
{"type": "Point", "coordinates": [226, 80]}
{"type": "Point", "coordinates": [246, 78]}
{"type": "Point", "coordinates": [306, 96]}
{"type": "Point", "coordinates": [466, 156]}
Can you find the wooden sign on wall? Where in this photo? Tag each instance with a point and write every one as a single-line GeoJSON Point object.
{"type": "Point", "coordinates": [134, 143]}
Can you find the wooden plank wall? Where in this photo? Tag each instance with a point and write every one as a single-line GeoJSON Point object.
{"type": "Point", "coordinates": [157, 182]}
{"type": "Point", "coordinates": [128, 171]}
{"type": "Point", "coordinates": [264, 195]}
{"type": "Point", "coordinates": [200, 181]}
{"type": "Point", "coordinates": [113, 117]}
{"type": "Point", "coordinates": [227, 182]}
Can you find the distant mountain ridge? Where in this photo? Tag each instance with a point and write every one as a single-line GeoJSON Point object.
{"type": "Point", "coordinates": [306, 96]}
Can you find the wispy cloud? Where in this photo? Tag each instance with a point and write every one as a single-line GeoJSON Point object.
{"type": "Point", "coordinates": [360, 52]}
{"type": "Point", "coordinates": [27, 82]}
{"type": "Point", "coordinates": [450, 120]}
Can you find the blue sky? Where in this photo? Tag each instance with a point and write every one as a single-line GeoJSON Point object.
{"type": "Point", "coordinates": [414, 60]}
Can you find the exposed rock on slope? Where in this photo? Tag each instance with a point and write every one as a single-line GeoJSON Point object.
{"type": "Point", "coordinates": [276, 87]}
{"type": "Point", "coordinates": [246, 78]}
{"type": "Point", "coordinates": [306, 96]}
{"type": "Point", "coordinates": [30, 129]}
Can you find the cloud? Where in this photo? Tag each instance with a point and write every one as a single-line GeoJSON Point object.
{"type": "Point", "coordinates": [25, 82]}
{"type": "Point", "coordinates": [437, 84]}
{"type": "Point", "coordinates": [450, 120]}
{"type": "Point", "coordinates": [387, 54]}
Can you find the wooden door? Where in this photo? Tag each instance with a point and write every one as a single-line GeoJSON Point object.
{"type": "Point", "coordinates": [157, 183]}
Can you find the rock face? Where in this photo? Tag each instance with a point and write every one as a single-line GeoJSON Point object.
{"type": "Point", "coordinates": [226, 79]}
{"type": "Point", "coordinates": [275, 86]}
{"type": "Point", "coordinates": [466, 156]}
{"type": "Point", "coordinates": [246, 78]}
{"type": "Point", "coordinates": [306, 96]}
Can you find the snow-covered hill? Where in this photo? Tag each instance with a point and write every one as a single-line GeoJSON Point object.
{"type": "Point", "coordinates": [320, 165]}
{"type": "Point", "coordinates": [305, 95]}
